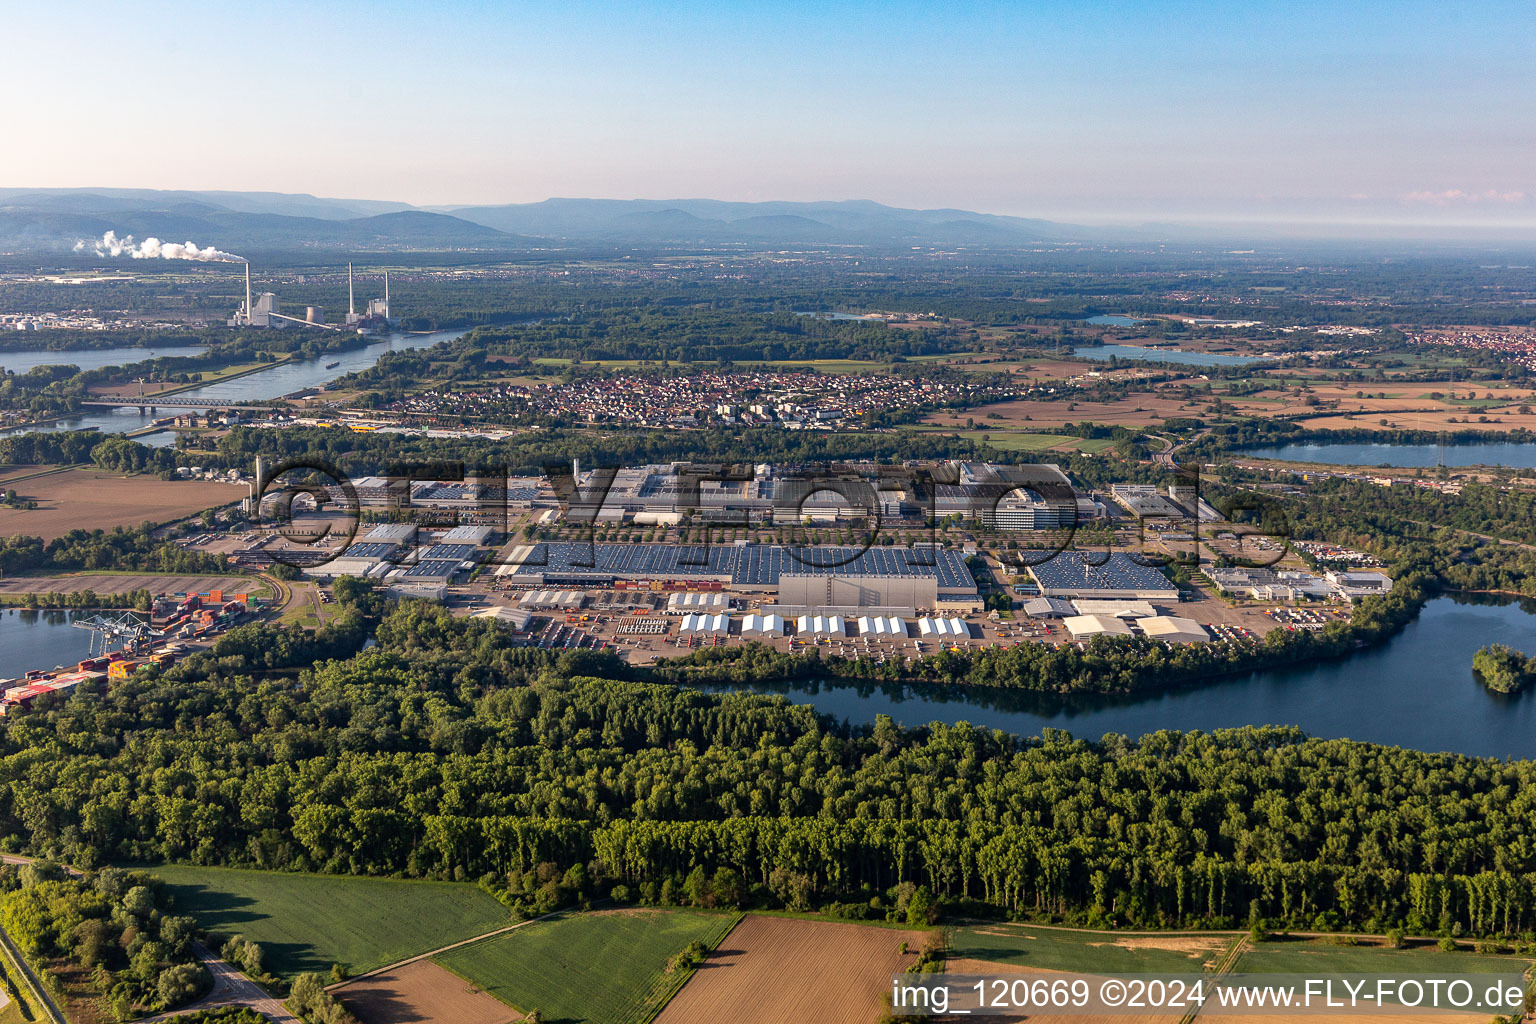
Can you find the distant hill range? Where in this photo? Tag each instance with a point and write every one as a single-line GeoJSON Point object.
{"type": "Point", "coordinates": [54, 219]}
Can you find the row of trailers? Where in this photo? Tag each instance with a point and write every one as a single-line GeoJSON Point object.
{"type": "Point", "coordinates": [880, 627]}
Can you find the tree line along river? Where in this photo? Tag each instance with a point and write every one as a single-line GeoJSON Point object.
{"type": "Point", "coordinates": [1415, 690]}
{"type": "Point", "coordinates": [274, 382]}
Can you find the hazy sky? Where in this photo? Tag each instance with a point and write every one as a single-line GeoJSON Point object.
{"type": "Point", "coordinates": [1125, 111]}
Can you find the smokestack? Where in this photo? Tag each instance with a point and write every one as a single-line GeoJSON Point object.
{"type": "Point", "coordinates": [386, 288]}
{"type": "Point", "coordinates": [247, 293]}
{"type": "Point", "coordinates": [351, 306]}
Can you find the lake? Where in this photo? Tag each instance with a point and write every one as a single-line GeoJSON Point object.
{"type": "Point", "coordinates": [1114, 320]}
{"type": "Point", "coordinates": [92, 358]}
{"type": "Point", "coordinates": [281, 379]}
{"type": "Point", "coordinates": [866, 317]}
{"type": "Point", "coordinates": [1493, 453]}
{"type": "Point", "coordinates": [40, 639]}
{"type": "Point", "coordinates": [1102, 353]}
{"type": "Point", "coordinates": [1416, 691]}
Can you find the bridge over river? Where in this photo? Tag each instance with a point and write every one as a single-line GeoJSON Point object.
{"type": "Point", "coordinates": [149, 404]}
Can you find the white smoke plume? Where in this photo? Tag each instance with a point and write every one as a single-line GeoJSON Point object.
{"type": "Point", "coordinates": [152, 248]}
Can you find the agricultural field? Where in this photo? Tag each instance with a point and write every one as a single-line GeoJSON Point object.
{"type": "Point", "coordinates": [1087, 951]}
{"type": "Point", "coordinates": [1326, 958]}
{"type": "Point", "coordinates": [422, 993]}
{"type": "Point", "coordinates": [122, 583]}
{"type": "Point", "coordinates": [308, 922]}
{"type": "Point", "coordinates": [790, 969]}
{"type": "Point", "coordinates": [607, 967]}
{"type": "Point", "coordinates": [1322, 404]}
{"type": "Point", "coordinates": [1023, 441]}
{"type": "Point", "coordinates": [92, 499]}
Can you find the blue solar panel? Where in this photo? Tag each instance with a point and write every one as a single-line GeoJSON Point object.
{"type": "Point", "coordinates": [1079, 570]}
{"type": "Point", "coordinates": [442, 568]}
{"type": "Point", "coordinates": [746, 566]}
{"type": "Point", "coordinates": [457, 552]}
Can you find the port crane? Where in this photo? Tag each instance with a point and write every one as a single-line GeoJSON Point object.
{"type": "Point", "coordinates": [128, 628]}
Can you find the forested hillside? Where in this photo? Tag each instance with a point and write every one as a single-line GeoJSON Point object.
{"type": "Point", "coordinates": [442, 752]}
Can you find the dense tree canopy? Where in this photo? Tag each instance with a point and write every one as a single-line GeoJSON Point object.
{"type": "Point", "coordinates": [443, 752]}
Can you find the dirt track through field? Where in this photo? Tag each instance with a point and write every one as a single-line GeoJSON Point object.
{"type": "Point", "coordinates": [773, 970]}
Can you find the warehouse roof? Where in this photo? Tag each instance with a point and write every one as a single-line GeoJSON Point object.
{"type": "Point", "coordinates": [750, 565]}
{"type": "Point", "coordinates": [1174, 629]}
{"type": "Point", "coordinates": [1096, 625]}
{"type": "Point", "coordinates": [433, 568]}
{"type": "Point", "coordinates": [756, 624]}
{"type": "Point", "coordinates": [1081, 570]}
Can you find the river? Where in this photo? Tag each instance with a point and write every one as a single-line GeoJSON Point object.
{"type": "Point", "coordinates": [279, 380]}
{"type": "Point", "coordinates": [93, 358]}
{"type": "Point", "coordinates": [1409, 456]}
{"type": "Point", "coordinates": [1416, 691]}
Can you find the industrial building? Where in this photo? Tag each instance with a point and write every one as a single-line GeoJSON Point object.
{"type": "Point", "coordinates": [882, 626]}
{"type": "Point", "coordinates": [545, 600]}
{"type": "Point", "coordinates": [821, 625]}
{"type": "Point", "coordinates": [1131, 609]}
{"type": "Point", "coordinates": [262, 310]}
{"type": "Point", "coordinates": [1113, 576]}
{"type": "Point", "coordinates": [1048, 608]}
{"type": "Point", "coordinates": [1024, 497]}
{"type": "Point", "coordinates": [1144, 502]}
{"type": "Point", "coordinates": [1173, 629]}
{"type": "Point", "coordinates": [1084, 627]}
{"type": "Point", "coordinates": [943, 628]}
{"type": "Point", "coordinates": [516, 618]}
{"type": "Point", "coordinates": [762, 626]}
{"type": "Point", "coordinates": [1355, 584]}
{"type": "Point", "coordinates": [708, 625]}
{"type": "Point", "coordinates": [712, 602]}
{"type": "Point", "coordinates": [862, 578]}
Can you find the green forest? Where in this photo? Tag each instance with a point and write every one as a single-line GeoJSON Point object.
{"type": "Point", "coordinates": [443, 753]}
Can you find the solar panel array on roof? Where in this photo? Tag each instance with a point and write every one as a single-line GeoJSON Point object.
{"type": "Point", "coordinates": [372, 549]}
{"type": "Point", "coordinates": [1078, 570]}
{"type": "Point", "coordinates": [456, 552]}
{"type": "Point", "coordinates": [434, 568]}
{"type": "Point", "coordinates": [746, 566]}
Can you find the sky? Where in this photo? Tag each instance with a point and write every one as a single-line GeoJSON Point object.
{"type": "Point", "coordinates": [1256, 110]}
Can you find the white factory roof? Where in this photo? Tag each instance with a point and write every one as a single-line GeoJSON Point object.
{"type": "Point", "coordinates": [882, 625]}
{"type": "Point", "coordinates": [695, 622]}
{"type": "Point", "coordinates": [476, 535]}
{"type": "Point", "coordinates": [821, 625]}
{"type": "Point", "coordinates": [1048, 607]}
{"type": "Point", "coordinates": [401, 532]}
{"type": "Point", "coordinates": [943, 627]}
{"type": "Point", "coordinates": [553, 599]}
{"type": "Point", "coordinates": [762, 625]}
{"type": "Point", "coordinates": [1115, 608]}
{"type": "Point", "coordinates": [514, 617]}
{"type": "Point", "coordinates": [699, 601]}
{"type": "Point", "coordinates": [342, 567]}
{"type": "Point", "coordinates": [1174, 629]}
{"type": "Point", "coordinates": [1095, 625]}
